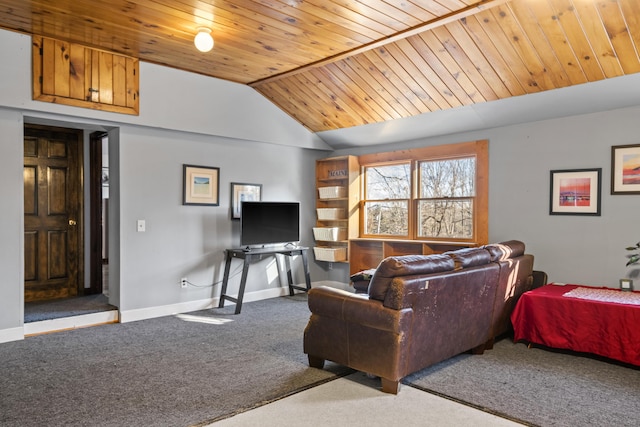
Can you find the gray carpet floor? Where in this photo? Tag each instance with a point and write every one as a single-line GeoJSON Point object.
{"type": "Point", "coordinates": [170, 371]}
{"type": "Point", "coordinates": [538, 386]}
{"type": "Point", "coordinates": [206, 366]}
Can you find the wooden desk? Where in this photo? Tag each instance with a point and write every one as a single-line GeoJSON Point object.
{"type": "Point", "coordinates": [249, 255]}
{"type": "Point", "coordinates": [610, 329]}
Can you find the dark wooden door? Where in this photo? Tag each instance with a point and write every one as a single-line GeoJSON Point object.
{"type": "Point", "coordinates": [52, 213]}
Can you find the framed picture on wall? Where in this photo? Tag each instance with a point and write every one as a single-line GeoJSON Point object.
{"type": "Point", "coordinates": [201, 185]}
{"type": "Point", "coordinates": [625, 169]}
{"type": "Point", "coordinates": [575, 192]}
{"type": "Point", "coordinates": [241, 192]}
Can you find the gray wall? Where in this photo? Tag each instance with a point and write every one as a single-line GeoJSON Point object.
{"type": "Point", "coordinates": [571, 249]}
{"type": "Point", "coordinates": [251, 141]}
{"type": "Point", "coordinates": [189, 240]}
{"type": "Point", "coordinates": [11, 224]}
{"type": "Point", "coordinates": [185, 119]}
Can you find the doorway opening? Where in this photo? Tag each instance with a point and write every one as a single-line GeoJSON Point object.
{"type": "Point", "coordinates": [66, 223]}
{"type": "Point", "coordinates": [99, 213]}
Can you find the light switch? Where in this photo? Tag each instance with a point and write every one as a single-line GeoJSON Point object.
{"type": "Point", "coordinates": [141, 226]}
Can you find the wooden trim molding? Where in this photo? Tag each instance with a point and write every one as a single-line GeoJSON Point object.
{"type": "Point", "coordinates": [479, 149]}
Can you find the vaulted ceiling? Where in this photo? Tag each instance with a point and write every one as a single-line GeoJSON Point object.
{"type": "Point", "coordinates": [333, 64]}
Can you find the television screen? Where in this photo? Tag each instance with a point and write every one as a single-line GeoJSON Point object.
{"type": "Point", "coordinates": [268, 223]}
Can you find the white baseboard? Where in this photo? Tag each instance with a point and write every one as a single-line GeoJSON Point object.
{"type": "Point", "coordinates": [188, 306]}
{"type": "Point", "coordinates": [13, 334]}
{"type": "Point", "coordinates": [73, 322]}
{"type": "Point", "coordinates": [124, 316]}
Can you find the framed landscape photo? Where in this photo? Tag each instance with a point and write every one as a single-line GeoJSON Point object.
{"type": "Point", "coordinates": [241, 192]}
{"type": "Point", "coordinates": [575, 192]}
{"type": "Point", "coordinates": [625, 169]}
{"type": "Point", "coordinates": [201, 185]}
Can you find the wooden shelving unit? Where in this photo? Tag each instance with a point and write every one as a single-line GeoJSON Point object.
{"type": "Point", "coordinates": [337, 213]}
{"type": "Point", "coordinates": [367, 253]}
{"type": "Point", "coordinates": [340, 216]}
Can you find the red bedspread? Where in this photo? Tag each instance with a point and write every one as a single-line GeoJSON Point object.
{"type": "Point", "coordinates": [610, 329]}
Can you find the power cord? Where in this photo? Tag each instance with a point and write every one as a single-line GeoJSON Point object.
{"type": "Point", "coordinates": [232, 275]}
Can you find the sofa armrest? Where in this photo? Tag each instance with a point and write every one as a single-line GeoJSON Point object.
{"type": "Point", "coordinates": [358, 309]}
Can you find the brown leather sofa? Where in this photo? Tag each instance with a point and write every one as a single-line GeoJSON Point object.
{"type": "Point", "coordinates": [419, 310]}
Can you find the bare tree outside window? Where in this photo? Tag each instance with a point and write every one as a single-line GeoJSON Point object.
{"type": "Point", "coordinates": [387, 194]}
{"type": "Point", "coordinates": [446, 192]}
{"type": "Point", "coordinates": [434, 194]}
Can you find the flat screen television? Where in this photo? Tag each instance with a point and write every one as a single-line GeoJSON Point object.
{"type": "Point", "coordinates": [269, 223]}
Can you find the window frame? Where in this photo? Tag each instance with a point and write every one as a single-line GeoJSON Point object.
{"type": "Point", "coordinates": [478, 149]}
{"type": "Point", "coordinates": [418, 198]}
{"type": "Point", "coordinates": [363, 200]}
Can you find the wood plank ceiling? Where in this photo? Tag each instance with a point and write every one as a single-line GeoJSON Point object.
{"type": "Point", "coordinates": [332, 64]}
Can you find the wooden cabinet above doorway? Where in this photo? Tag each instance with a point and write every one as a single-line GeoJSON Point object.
{"type": "Point", "coordinates": [71, 74]}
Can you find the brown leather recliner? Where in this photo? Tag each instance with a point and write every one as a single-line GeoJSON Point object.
{"type": "Point", "coordinates": [420, 310]}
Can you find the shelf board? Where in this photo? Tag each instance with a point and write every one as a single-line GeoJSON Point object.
{"type": "Point", "coordinates": [335, 199]}
{"type": "Point", "coordinates": [337, 178]}
{"type": "Point", "coordinates": [417, 241]}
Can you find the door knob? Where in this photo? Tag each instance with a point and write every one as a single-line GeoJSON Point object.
{"type": "Point", "coordinates": [72, 222]}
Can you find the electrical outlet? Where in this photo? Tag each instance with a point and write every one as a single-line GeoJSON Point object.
{"type": "Point", "coordinates": [183, 282]}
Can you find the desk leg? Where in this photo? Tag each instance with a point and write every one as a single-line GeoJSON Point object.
{"type": "Point", "coordinates": [305, 264]}
{"type": "Point", "coordinates": [243, 283]}
{"type": "Point", "coordinates": [225, 279]}
{"type": "Point", "coordinates": [287, 263]}
{"type": "Point", "coordinates": [307, 277]}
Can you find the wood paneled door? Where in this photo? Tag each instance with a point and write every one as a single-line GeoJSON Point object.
{"type": "Point", "coordinates": [53, 206]}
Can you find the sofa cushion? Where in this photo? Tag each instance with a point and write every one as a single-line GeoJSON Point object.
{"type": "Point", "coordinates": [406, 265]}
{"type": "Point", "coordinates": [469, 257]}
{"type": "Point", "coordinates": [505, 250]}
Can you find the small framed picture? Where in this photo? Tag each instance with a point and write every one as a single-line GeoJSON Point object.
{"type": "Point", "coordinates": [625, 169]}
{"type": "Point", "coordinates": [575, 192]}
{"type": "Point", "coordinates": [626, 284]}
{"type": "Point", "coordinates": [201, 185]}
{"type": "Point", "coordinates": [241, 192]}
